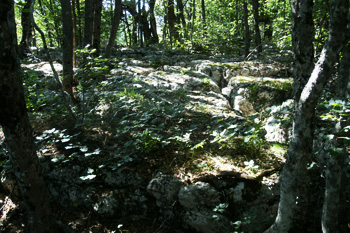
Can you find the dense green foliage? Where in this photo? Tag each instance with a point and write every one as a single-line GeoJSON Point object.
{"type": "Point", "coordinates": [221, 31]}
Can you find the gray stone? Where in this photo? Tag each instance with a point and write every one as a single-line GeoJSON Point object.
{"type": "Point", "coordinates": [204, 222]}
{"type": "Point", "coordinates": [198, 196]}
{"type": "Point", "coordinates": [165, 189]}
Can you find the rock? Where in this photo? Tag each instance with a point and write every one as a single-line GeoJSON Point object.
{"type": "Point", "coordinates": [279, 125]}
{"type": "Point", "coordinates": [122, 177]}
{"type": "Point", "coordinates": [242, 105]}
{"type": "Point", "coordinates": [165, 189]}
{"type": "Point", "coordinates": [203, 221]}
{"type": "Point", "coordinates": [198, 196]}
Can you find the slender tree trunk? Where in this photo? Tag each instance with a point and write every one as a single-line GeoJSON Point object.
{"type": "Point", "coordinates": [115, 25]}
{"type": "Point", "coordinates": [203, 16]}
{"type": "Point", "coordinates": [256, 26]}
{"type": "Point", "coordinates": [26, 27]}
{"type": "Point", "coordinates": [96, 42]}
{"type": "Point", "coordinates": [74, 32]}
{"type": "Point", "coordinates": [171, 20]}
{"type": "Point", "coordinates": [343, 81]}
{"type": "Point", "coordinates": [152, 20]}
{"type": "Point", "coordinates": [17, 129]}
{"type": "Point", "coordinates": [80, 41]}
{"type": "Point", "coordinates": [302, 38]}
{"type": "Point", "coordinates": [88, 28]}
{"type": "Point", "coordinates": [193, 19]}
{"type": "Point", "coordinates": [246, 29]}
{"type": "Point", "coordinates": [182, 17]}
{"type": "Point", "coordinates": [67, 29]}
{"type": "Point", "coordinates": [334, 211]}
{"type": "Point", "coordinates": [293, 186]}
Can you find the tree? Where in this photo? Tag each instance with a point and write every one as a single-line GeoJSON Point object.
{"type": "Point", "coordinates": [88, 28]}
{"type": "Point", "coordinates": [115, 25]}
{"type": "Point", "coordinates": [246, 29]}
{"type": "Point", "coordinates": [171, 21]}
{"type": "Point", "coordinates": [153, 22]}
{"type": "Point", "coordinates": [26, 27]}
{"type": "Point", "coordinates": [67, 23]}
{"type": "Point", "coordinates": [17, 129]}
{"type": "Point", "coordinates": [293, 186]}
{"type": "Point", "coordinates": [97, 12]}
{"type": "Point", "coordinates": [257, 37]}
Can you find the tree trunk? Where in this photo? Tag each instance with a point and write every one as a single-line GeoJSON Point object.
{"type": "Point", "coordinates": [343, 81]}
{"type": "Point", "coordinates": [171, 20]}
{"type": "Point", "coordinates": [18, 132]}
{"type": "Point", "coordinates": [67, 29]}
{"type": "Point", "coordinates": [74, 32]}
{"type": "Point", "coordinates": [302, 38]}
{"type": "Point", "coordinates": [152, 20]}
{"type": "Point", "coordinates": [182, 17]}
{"type": "Point", "coordinates": [26, 27]}
{"type": "Point", "coordinates": [115, 25]}
{"type": "Point", "coordinates": [258, 44]}
{"type": "Point", "coordinates": [293, 186]}
{"type": "Point", "coordinates": [88, 28]}
{"type": "Point", "coordinates": [80, 41]}
{"type": "Point", "coordinates": [203, 16]}
{"type": "Point", "coordinates": [96, 41]}
{"type": "Point", "coordinates": [193, 19]}
{"type": "Point", "coordinates": [334, 211]}
{"type": "Point", "coordinates": [246, 29]}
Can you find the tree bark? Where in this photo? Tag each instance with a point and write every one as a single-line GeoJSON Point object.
{"type": "Point", "coordinates": [182, 17]}
{"type": "Point", "coordinates": [18, 132]}
{"type": "Point", "coordinates": [302, 39]}
{"type": "Point", "coordinates": [153, 23]}
{"type": "Point", "coordinates": [343, 81]}
{"type": "Point", "coordinates": [96, 41]}
{"type": "Point", "coordinates": [258, 44]}
{"type": "Point", "coordinates": [67, 29]}
{"type": "Point", "coordinates": [293, 186]}
{"type": "Point", "coordinates": [88, 28]}
{"type": "Point", "coordinates": [115, 25]}
{"type": "Point", "coordinates": [246, 29]}
{"type": "Point", "coordinates": [74, 32]}
{"type": "Point", "coordinates": [26, 27]}
{"type": "Point", "coordinates": [171, 20]}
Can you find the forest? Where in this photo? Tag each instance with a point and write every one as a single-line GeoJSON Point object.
{"type": "Point", "coordinates": [175, 116]}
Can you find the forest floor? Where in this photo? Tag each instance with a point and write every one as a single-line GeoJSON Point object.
{"type": "Point", "coordinates": [146, 112]}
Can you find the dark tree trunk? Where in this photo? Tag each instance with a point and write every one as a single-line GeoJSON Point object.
{"type": "Point", "coordinates": [152, 20]}
{"type": "Point", "coordinates": [74, 32]}
{"type": "Point", "coordinates": [343, 81]}
{"type": "Point", "coordinates": [294, 188]}
{"type": "Point", "coordinates": [193, 19]}
{"type": "Point", "coordinates": [80, 41]}
{"type": "Point", "coordinates": [258, 44]}
{"type": "Point", "coordinates": [172, 20]}
{"type": "Point", "coordinates": [203, 16]}
{"type": "Point", "coordinates": [96, 41]}
{"type": "Point", "coordinates": [145, 27]}
{"type": "Point", "coordinates": [115, 25]}
{"type": "Point", "coordinates": [18, 132]}
{"type": "Point", "coordinates": [246, 29]}
{"type": "Point", "coordinates": [88, 28]}
{"type": "Point", "coordinates": [67, 29]}
{"type": "Point", "coordinates": [302, 37]}
{"type": "Point", "coordinates": [182, 17]}
{"type": "Point", "coordinates": [26, 27]}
